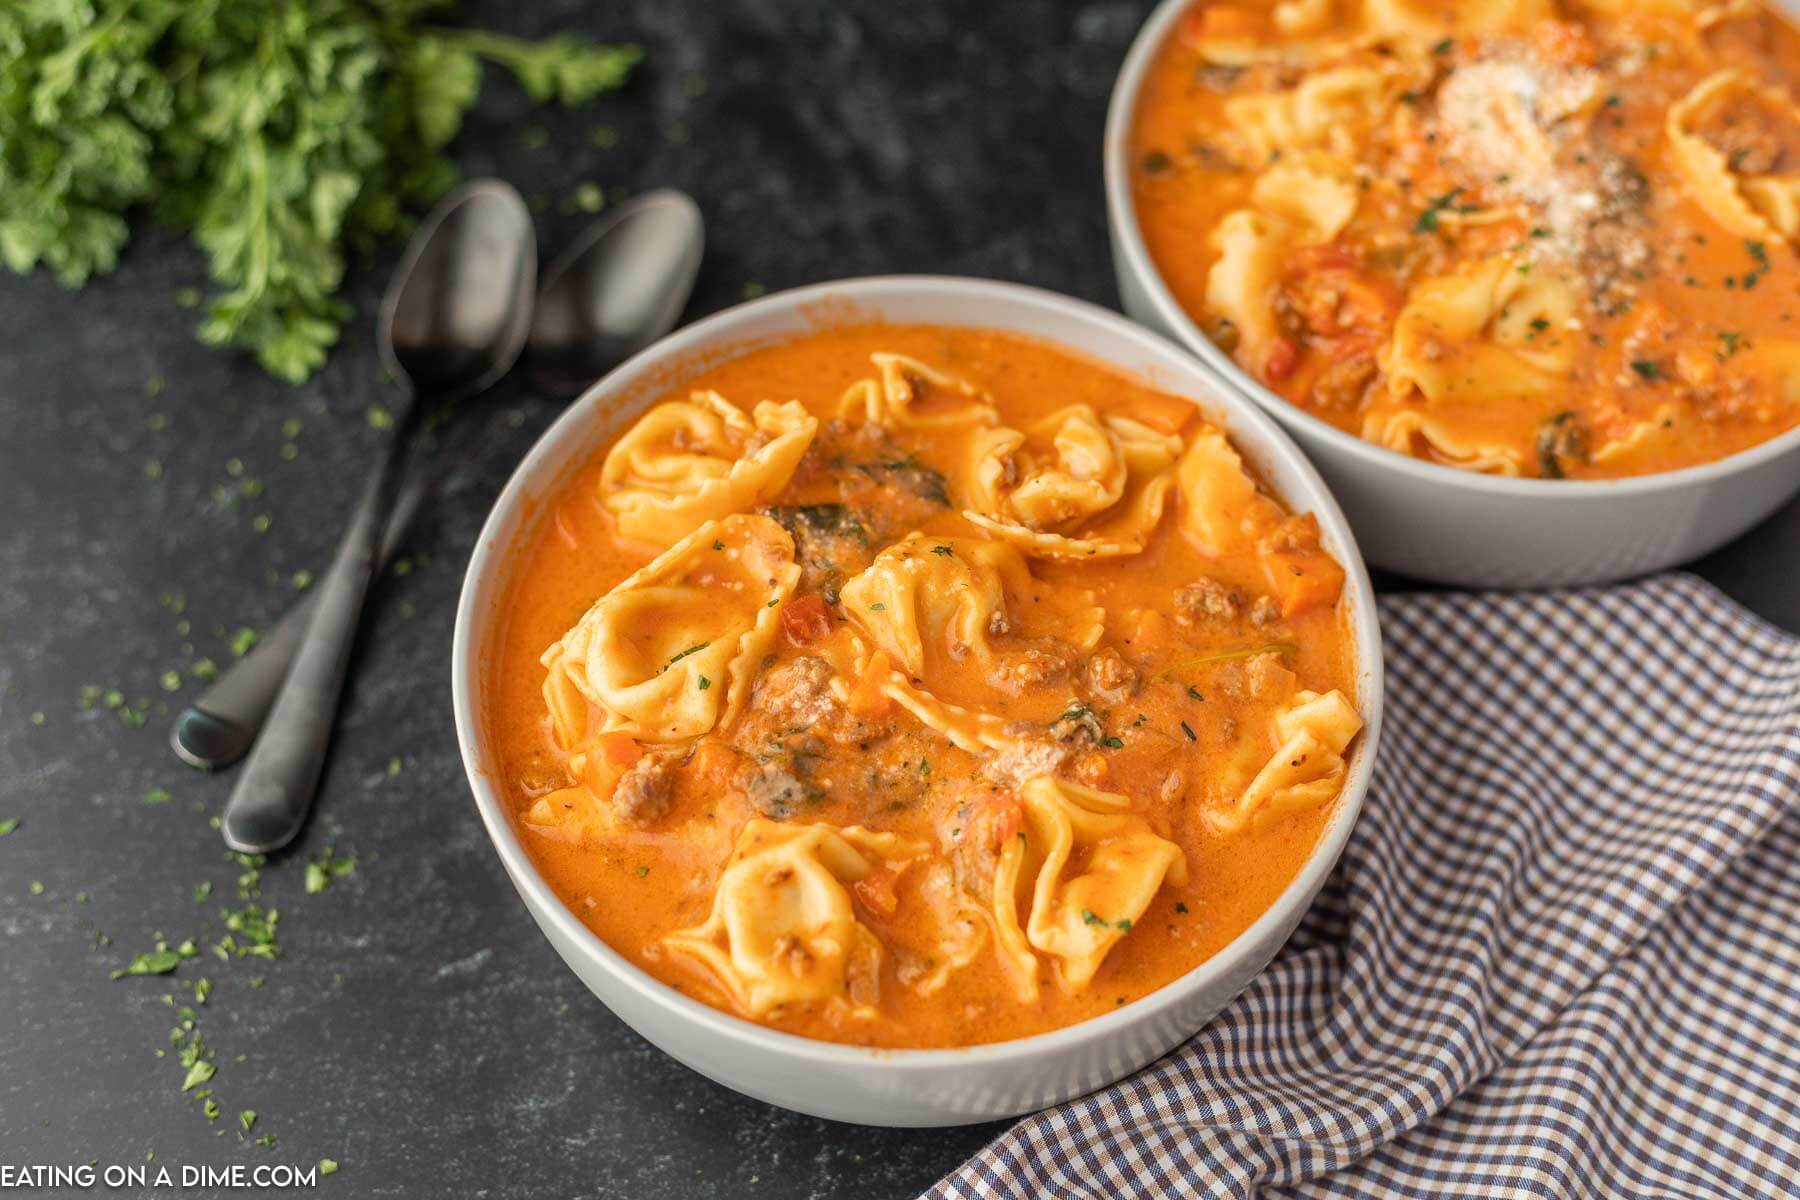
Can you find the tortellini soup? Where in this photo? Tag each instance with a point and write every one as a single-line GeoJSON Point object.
{"type": "Point", "coordinates": [919, 687]}
{"type": "Point", "coordinates": [1542, 238]}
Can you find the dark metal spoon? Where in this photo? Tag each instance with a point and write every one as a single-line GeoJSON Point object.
{"type": "Point", "coordinates": [454, 321]}
{"type": "Point", "coordinates": [619, 287]}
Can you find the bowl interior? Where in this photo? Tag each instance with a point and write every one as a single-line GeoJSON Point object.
{"type": "Point", "coordinates": [604, 409]}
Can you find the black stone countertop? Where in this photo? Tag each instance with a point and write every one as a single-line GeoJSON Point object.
{"type": "Point", "coordinates": [416, 1027]}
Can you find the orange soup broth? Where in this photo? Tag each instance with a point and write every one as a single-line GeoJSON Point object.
{"type": "Point", "coordinates": [633, 888]}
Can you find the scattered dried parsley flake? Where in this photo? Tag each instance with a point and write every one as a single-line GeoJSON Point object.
{"type": "Point", "coordinates": [8, 825]}
{"type": "Point", "coordinates": [161, 961]}
{"type": "Point", "coordinates": [242, 641]}
{"type": "Point", "coordinates": [327, 867]}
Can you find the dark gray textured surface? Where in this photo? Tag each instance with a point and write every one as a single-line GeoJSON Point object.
{"type": "Point", "coordinates": [417, 1028]}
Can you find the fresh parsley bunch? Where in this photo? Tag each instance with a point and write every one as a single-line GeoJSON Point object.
{"type": "Point", "coordinates": [278, 131]}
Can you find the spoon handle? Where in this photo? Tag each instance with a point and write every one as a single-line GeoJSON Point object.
{"type": "Point", "coordinates": [269, 804]}
{"type": "Point", "coordinates": [219, 726]}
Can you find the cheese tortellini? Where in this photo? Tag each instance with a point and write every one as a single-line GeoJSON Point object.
{"type": "Point", "coordinates": [1329, 109]}
{"type": "Point", "coordinates": [1307, 768]}
{"type": "Point", "coordinates": [671, 652]}
{"type": "Point", "coordinates": [783, 930]}
{"type": "Point", "coordinates": [1222, 510]}
{"type": "Point", "coordinates": [1293, 207]}
{"type": "Point", "coordinates": [1311, 30]}
{"type": "Point", "coordinates": [1495, 325]}
{"type": "Point", "coordinates": [1081, 871]}
{"type": "Point", "coordinates": [694, 460]}
{"type": "Point", "coordinates": [909, 394]}
{"type": "Point", "coordinates": [929, 602]}
{"type": "Point", "coordinates": [1076, 485]}
{"type": "Point", "coordinates": [927, 599]}
{"type": "Point", "coordinates": [1415, 433]}
{"type": "Point", "coordinates": [1750, 205]}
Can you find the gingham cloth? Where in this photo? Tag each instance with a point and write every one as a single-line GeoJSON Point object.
{"type": "Point", "coordinates": [1560, 956]}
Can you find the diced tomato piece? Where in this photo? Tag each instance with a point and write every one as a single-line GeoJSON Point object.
{"type": "Point", "coordinates": [877, 892]}
{"type": "Point", "coordinates": [1006, 817]}
{"type": "Point", "coordinates": [1283, 361]}
{"type": "Point", "coordinates": [806, 619]}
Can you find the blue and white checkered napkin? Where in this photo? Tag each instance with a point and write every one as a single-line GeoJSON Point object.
{"type": "Point", "coordinates": [1560, 957]}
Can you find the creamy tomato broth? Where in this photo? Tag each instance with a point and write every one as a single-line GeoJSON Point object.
{"type": "Point", "coordinates": [915, 686]}
{"type": "Point", "coordinates": [1547, 238]}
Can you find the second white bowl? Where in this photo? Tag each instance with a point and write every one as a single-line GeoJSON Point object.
{"type": "Point", "coordinates": [1437, 522]}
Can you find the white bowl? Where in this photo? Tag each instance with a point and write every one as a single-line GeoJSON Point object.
{"type": "Point", "coordinates": [847, 1083]}
{"type": "Point", "coordinates": [1437, 522]}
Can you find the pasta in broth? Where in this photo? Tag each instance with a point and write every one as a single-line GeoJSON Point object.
{"type": "Point", "coordinates": [1548, 238]}
{"type": "Point", "coordinates": [911, 686]}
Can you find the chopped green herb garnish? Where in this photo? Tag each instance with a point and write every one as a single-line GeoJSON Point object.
{"type": "Point", "coordinates": [696, 648]}
{"type": "Point", "coordinates": [705, 683]}
{"type": "Point", "coordinates": [154, 962]}
{"type": "Point", "coordinates": [945, 550]}
{"type": "Point", "coordinates": [643, 872]}
{"type": "Point", "coordinates": [1445, 46]}
{"type": "Point", "coordinates": [588, 198]}
{"type": "Point", "coordinates": [1646, 368]}
{"type": "Point", "coordinates": [1180, 907]}
{"type": "Point", "coordinates": [878, 607]}
{"type": "Point", "coordinates": [1187, 729]}
{"type": "Point", "coordinates": [1113, 743]}
{"type": "Point", "coordinates": [242, 641]}
{"type": "Point", "coordinates": [1123, 925]}
{"type": "Point", "coordinates": [157, 795]}
{"type": "Point", "coordinates": [1428, 220]}
{"type": "Point", "coordinates": [8, 825]}
{"type": "Point", "coordinates": [328, 1166]}
{"type": "Point", "coordinates": [322, 870]}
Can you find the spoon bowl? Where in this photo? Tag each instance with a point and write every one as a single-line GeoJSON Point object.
{"type": "Point", "coordinates": [621, 286]}
{"type": "Point", "coordinates": [458, 311]}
